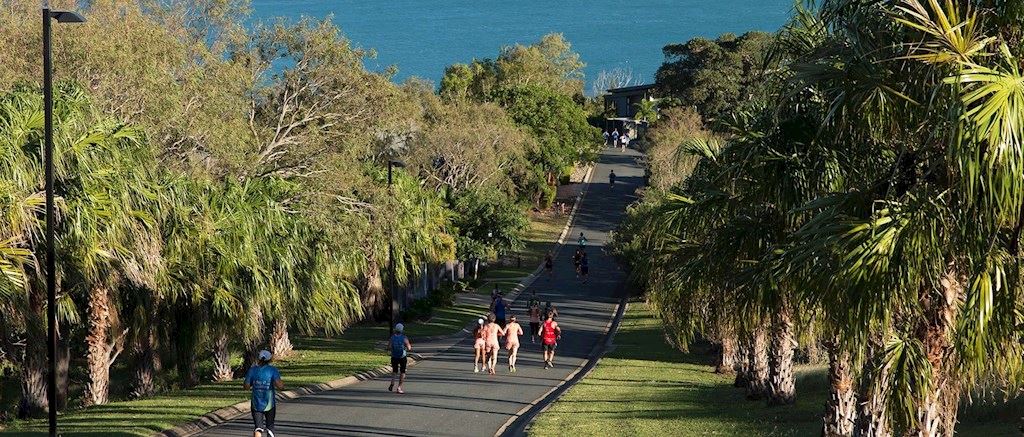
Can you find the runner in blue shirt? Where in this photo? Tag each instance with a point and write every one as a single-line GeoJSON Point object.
{"type": "Point", "coordinates": [399, 347]}
{"type": "Point", "coordinates": [263, 379]}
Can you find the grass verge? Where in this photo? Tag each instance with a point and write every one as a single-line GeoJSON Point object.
{"type": "Point", "coordinates": [315, 360]}
{"type": "Point", "coordinates": [645, 387]}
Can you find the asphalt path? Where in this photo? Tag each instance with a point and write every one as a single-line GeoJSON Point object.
{"type": "Point", "coordinates": [443, 397]}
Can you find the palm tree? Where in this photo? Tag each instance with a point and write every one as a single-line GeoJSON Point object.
{"type": "Point", "coordinates": [646, 110]}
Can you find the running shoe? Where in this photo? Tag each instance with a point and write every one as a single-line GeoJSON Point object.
{"type": "Point", "coordinates": [400, 391]}
{"type": "Point", "coordinates": [476, 369]}
{"type": "Point", "coordinates": [392, 386]}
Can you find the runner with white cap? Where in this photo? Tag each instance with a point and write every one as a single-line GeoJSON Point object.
{"type": "Point", "coordinates": [480, 346]}
{"type": "Point", "coordinates": [399, 347]}
{"type": "Point", "coordinates": [263, 379]}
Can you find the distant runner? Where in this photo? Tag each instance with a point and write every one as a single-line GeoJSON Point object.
{"type": "Point", "coordinates": [480, 346]}
{"type": "Point", "coordinates": [611, 179]}
{"type": "Point", "coordinates": [550, 334]}
{"type": "Point", "coordinates": [263, 379]}
{"type": "Point", "coordinates": [512, 333]}
{"type": "Point", "coordinates": [550, 309]}
{"type": "Point", "coordinates": [549, 265]}
{"type": "Point", "coordinates": [491, 333]}
{"type": "Point", "coordinates": [399, 347]}
{"type": "Point", "coordinates": [577, 258]}
{"type": "Point", "coordinates": [498, 307]}
{"type": "Point", "coordinates": [582, 240]}
{"type": "Point", "coordinates": [584, 267]}
{"type": "Point", "coordinates": [534, 311]}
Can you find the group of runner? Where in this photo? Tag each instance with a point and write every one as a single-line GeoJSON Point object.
{"type": "Point", "coordinates": [486, 344]}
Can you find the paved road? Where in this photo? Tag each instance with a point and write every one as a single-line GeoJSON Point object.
{"type": "Point", "coordinates": [443, 395]}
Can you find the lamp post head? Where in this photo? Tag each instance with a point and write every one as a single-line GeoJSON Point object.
{"type": "Point", "coordinates": [67, 17]}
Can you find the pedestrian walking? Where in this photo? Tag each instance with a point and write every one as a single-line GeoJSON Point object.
{"type": "Point", "coordinates": [491, 333]}
{"type": "Point", "coordinates": [512, 333]}
{"type": "Point", "coordinates": [606, 136]}
{"type": "Point", "coordinates": [624, 142]}
{"type": "Point", "coordinates": [551, 333]}
{"type": "Point", "coordinates": [549, 265]}
{"type": "Point", "coordinates": [399, 347]}
{"type": "Point", "coordinates": [615, 137]}
{"type": "Point", "coordinates": [263, 379]}
{"type": "Point", "coordinates": [498, 308]}
{"type": "Point", "coordinates": [534, 311]}
{"type": "Point", "coordinates": [480, 347]}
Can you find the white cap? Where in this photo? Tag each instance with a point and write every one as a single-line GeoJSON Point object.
{"type": "Point", "coordinates": [399, 327]}
{"type": "Point", "coordinates": [265, 355]}
{"type": "Point", "coordinates": [480, 321]}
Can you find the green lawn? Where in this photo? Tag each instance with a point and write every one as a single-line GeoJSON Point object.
{"type": "Point", "coordinates": [541, 238]}
{"type": "Point", "coordinates": [315, 360]}
{"type": "Point", "coordinates": [645, 387]}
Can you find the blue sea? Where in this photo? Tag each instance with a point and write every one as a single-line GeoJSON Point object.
{"type": "Point", "coordinates": [422, 37]}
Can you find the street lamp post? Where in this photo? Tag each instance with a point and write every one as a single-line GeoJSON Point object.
{"type": "Point", "coordinates": [51, 282]}
{"type": "Point", "coordinates": [391, 252]}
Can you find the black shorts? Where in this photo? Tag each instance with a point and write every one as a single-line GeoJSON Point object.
{"type": "Point", "coordinates": [550, 347]}
{"type": "Point", "coordinates": [584, 269]}
{"type": "Point", "coordinates": [534, 328]}
{"type": "Point", "coordinates": [500, 321]}
{"type": "Point", "coordinates": [398, 365]}
{"type": "Point", "coordinates": [264, 420]}
{"type": "Point", "coordinates": [549, 266]}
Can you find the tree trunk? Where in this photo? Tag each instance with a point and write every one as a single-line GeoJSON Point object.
{"type": "Point", "coordinates": [63, 365]}
{"type": "Point", "coordinates": [872, 417]}
{"type": "Point", "coordinates": [186, 339]}
{"type": "Point", "coordinates": [781, 382]}
{"type": "Point", "coordinates": [33, 401]}
{"type": "Point", "coordinates": [727, 361]}
{"type": "Point", "coordinates": [98, 346]}
{"type": "Point", "coordinates": [280, 343]}
{"type": "Point", "coordinates": [757, 385]}
{"type": "Point", "coordinates": [146, 359]}
{"type": "Point", "coordinates": [743, 369]}
{"type": "Point", "coordinates": [841, 407]}
{"type": "Point", "coordinates": [372, 293]}
{"type": "Point", "coordinates": [221, 359]}
{"type": "Point", "coordinates": [937, 413]}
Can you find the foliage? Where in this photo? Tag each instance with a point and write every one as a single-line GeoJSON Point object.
{"type": "Point", "coordinates": [715, 76]}
{"type": "Point", "coordinates": [489, 224]}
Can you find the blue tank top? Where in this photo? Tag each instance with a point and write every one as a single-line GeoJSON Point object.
{"type": "Point", "coordinates": [398, 346]}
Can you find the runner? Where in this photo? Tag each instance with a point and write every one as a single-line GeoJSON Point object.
{"type": "Point", "coordinates": [624, 143]}
{"type": "Point", "coordinates": [399, 347]}
{"type": "Point", "coordinates": [549, 265]}
{"type": "Point", "coordinates": [512, 333]}
{"type": "Point", "coordinates": [606, 137]}
{"type": "Point", "coordinates": [498, 308]}
{"type": "Point", "coordinates": [611, 179]}
{"type": "Point", "coordinates": [534, 311]}
{"type": "Point", "coordinates": [576, 259]}
{"type": "Point", "coordinates": [263, 379]}
{"type": "Point", "coordinates": [615, 137]}
{"type": "Point", "coordinates": [480, 346]}
{"type": "Point", "coordinates": [582, 240]}
{"type": "Point", "coordinates": [550, 309]}
{"type": "Point", "coordinates": [550, 334]}
{"type": "Point", "coordinates": [584, 267]}
{"type": "Point", "coordinates": [491, 333]}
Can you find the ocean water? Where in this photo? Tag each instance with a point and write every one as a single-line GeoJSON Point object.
{"type": "Point", "coordinates": [422, 37]}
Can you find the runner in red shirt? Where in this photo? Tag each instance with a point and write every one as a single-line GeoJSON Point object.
{"type": "Point", "coordinates": [550, 333]}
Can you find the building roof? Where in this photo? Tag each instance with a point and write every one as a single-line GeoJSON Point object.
{"type": "Point", "coordinates": [631, 89]}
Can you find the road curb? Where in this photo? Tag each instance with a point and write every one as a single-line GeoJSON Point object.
{"type": "Point", "coordinates": [223, 415]}
{"type": "Point", "coordinates": [518, 424]}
